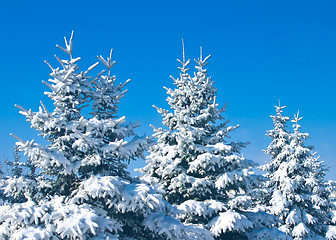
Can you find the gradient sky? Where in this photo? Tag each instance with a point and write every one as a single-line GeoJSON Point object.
{"type": "Point", "coordinates": [261, 51]}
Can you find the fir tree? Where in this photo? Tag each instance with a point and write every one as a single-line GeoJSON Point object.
{"type": "Point", "coordinates": [81, 188]}
{"type": "Point", "coordinates": [280, 140]}
{"type": "Point", "coordinates": [205, 176]}
{"type": "Point", "coordinates": [298, 191]}
{"type": "Point", "coordinates": [16, 168]}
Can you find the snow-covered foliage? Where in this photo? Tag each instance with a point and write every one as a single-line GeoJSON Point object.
{"type": "Point", "coordinates": [268, 234]}
{"type": "Point", "coordinates": [205, 176]}
{"type": "Point", "coordinates": [196, 185]}
{"type": "Point", "coordinates": [297, 191]}
{"type": "Point", "coordinates": [79, 187]}
{"type": "Point", "coordinates": [280, 139]}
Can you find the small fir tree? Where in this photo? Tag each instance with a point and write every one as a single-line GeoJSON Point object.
{"type": "Point", "coordinates": [280, 140]}
{"type": "Point", "coordinates": [205, 176]}
{"type": "Point", "coordinates": [15, 167]}
{"type": "Point", "coordinates": [81, 188]}
{"type": "Point", "coordinates": [298, 191]}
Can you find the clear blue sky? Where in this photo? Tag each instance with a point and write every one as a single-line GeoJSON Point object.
{"type": "Point", "coordinates": [262, 51]}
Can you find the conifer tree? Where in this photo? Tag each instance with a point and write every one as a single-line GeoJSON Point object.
{"type": "Point", "coordinates": [280, 140]}
{"type": "Point", "coordinates": [14, 166]}
{"type": "Point", "coordinates": [205, 176]}
{"type": "Point", "coordinates": [298, 190]}
{"type": "Point", "coordinates": [80, 187]}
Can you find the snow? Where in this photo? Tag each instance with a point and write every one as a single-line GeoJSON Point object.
{"type": "Point", "coordinates": [230, 178]}
{"type": "Point", "coordinates": [294, 217]}
{"type": "Point", "coordinates": [229, 221]}
{"type": "Point", "coordinates": [300, 230]}
{"type": "Point", "coordinates": [171, 228]}
{"type": "Point", "coordinates": [207, 208]}
{"type": "Point", "coordinates": [35, 233]}
{"type": "Point", "coordinates": [268, 234]}
{"type": "Point", "coordinates": [331, 233]}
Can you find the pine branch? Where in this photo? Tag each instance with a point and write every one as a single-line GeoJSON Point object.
{"type": "Point", "coordinates": [200, 61]}
{"type": "Point", "coordinates": [109, 63]}
{"type": "Point", "coordinates": [184, 63]}
{"type": "Point", "coordinates": [52, 69]}
{"type": "Point", "coordinates": [91, 67]}
{"type": "Point", "coordinates": [17, 138]}
{"type": "Point", "coordinates": [68, 49]}
{"type": "Point", "coordinates": [21, 108]}
{"type": "Point", "coordinates": [60, 61]}
{"type": "Point", "coordinates": [48, 85]}
{"type": "Point", "coordinates": [45, 109]}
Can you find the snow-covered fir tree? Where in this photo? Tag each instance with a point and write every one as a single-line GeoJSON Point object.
{"type": "Point", "coordinates": [280, 140]}
{"type": "Point", "coordinates": [80, 188]}
{"type": "Point", "coordinates": [298, 193]}
{"type": "Point", "coordinates": [201, 173]}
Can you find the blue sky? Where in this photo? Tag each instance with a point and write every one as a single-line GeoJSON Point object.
{"type": "Point", "coordinates": [261, 51]}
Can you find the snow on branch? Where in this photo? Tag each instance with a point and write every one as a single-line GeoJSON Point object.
{"type": "Point", "coordinates": [200, 61]}
{"type": "Point", "coordinates": [109, 63]}
{"type": "Point", "coordinates": [229, 221]}
{"type": "Point", "coordinates": [68, 46]}
{"type": "Point", "coordinates": [184, 63]}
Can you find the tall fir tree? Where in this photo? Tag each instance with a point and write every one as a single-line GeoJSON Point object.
{"type": "Point", "coordinates": [81, 188]}
{"type": "Point", "coordinates": [298, 192]}
{"type": "Point", "coordinates": [201, 173]}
